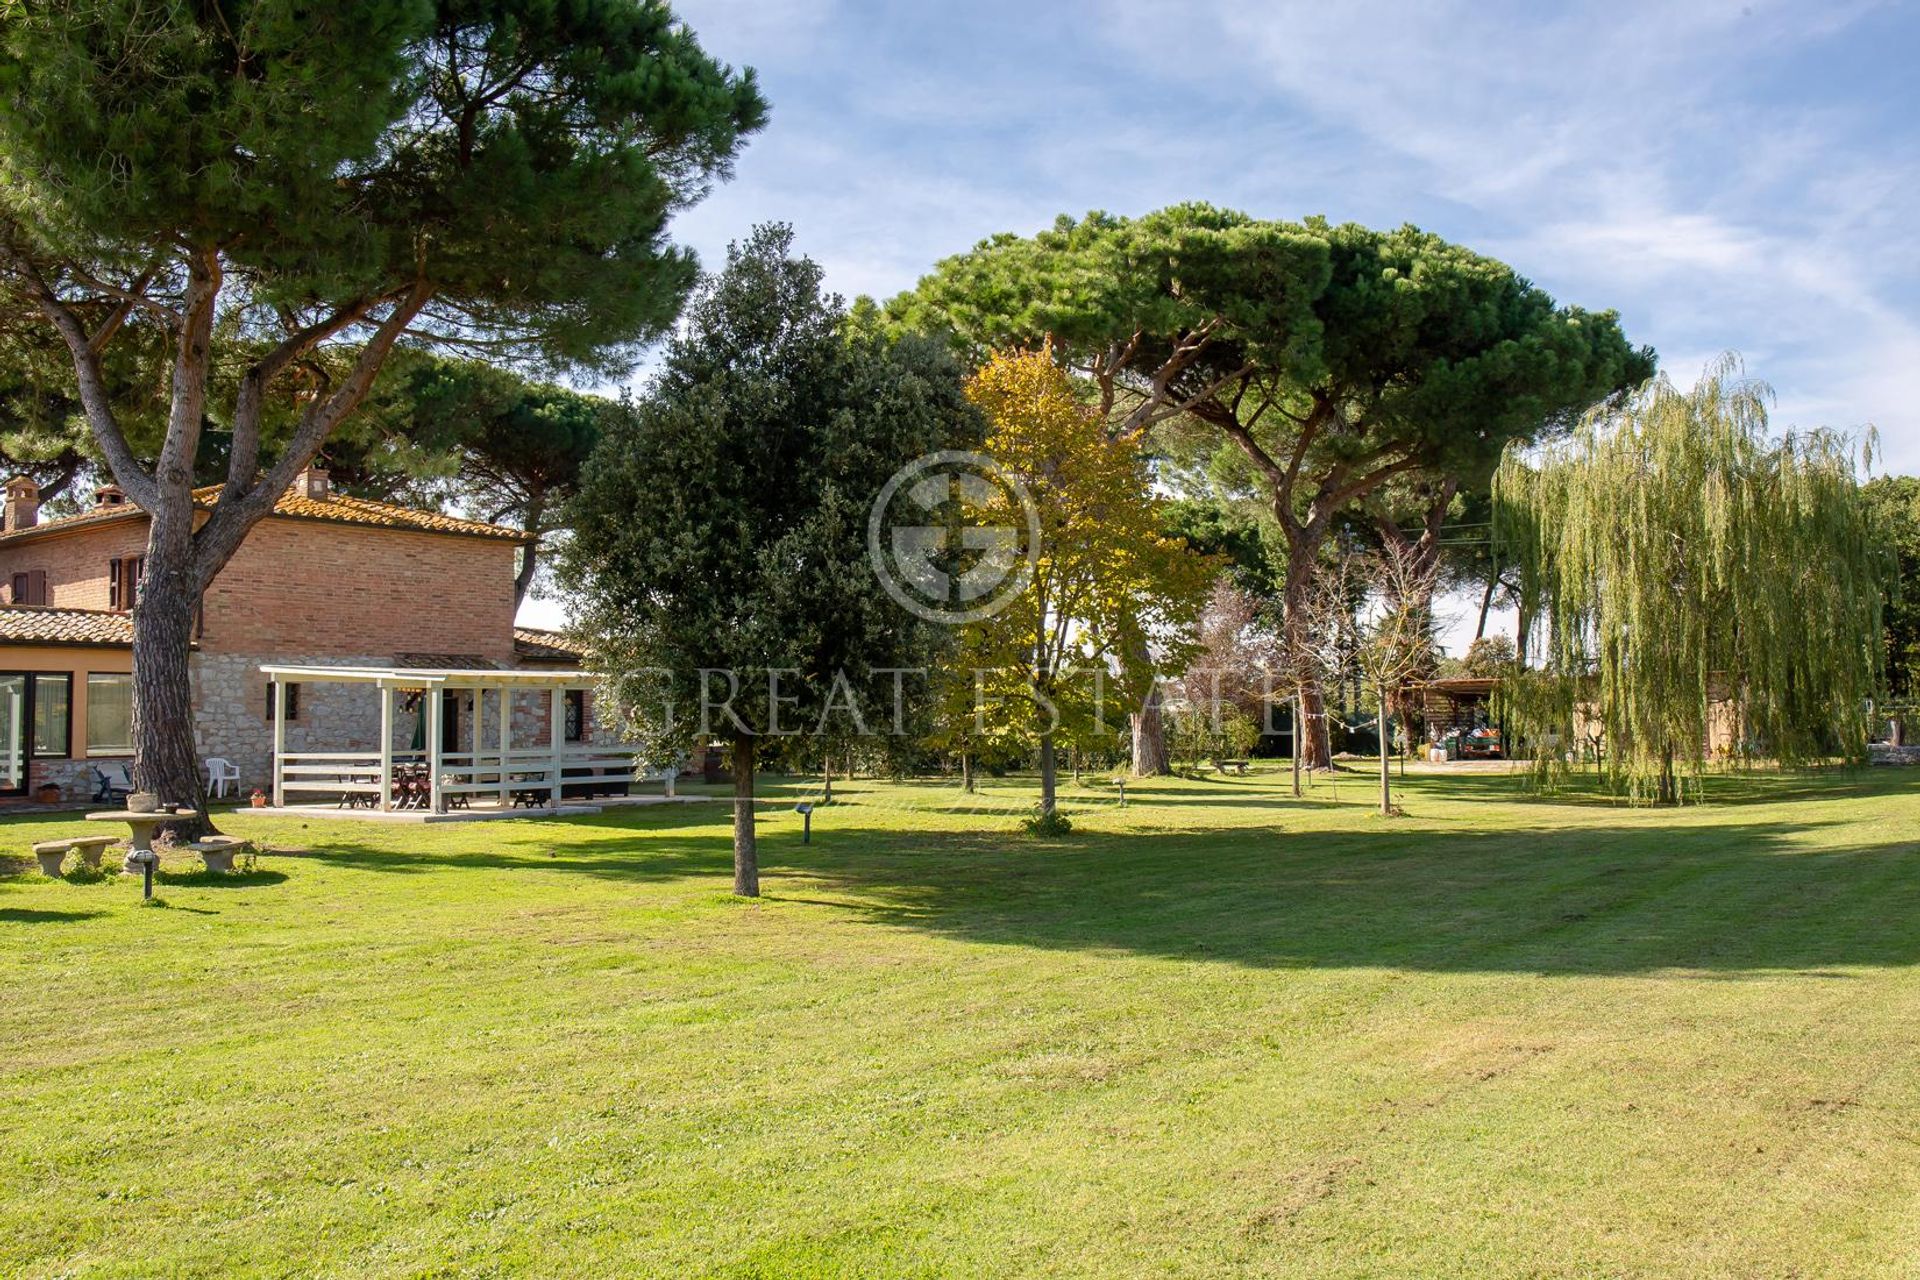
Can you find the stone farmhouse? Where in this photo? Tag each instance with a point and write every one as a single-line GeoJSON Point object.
{"type": "Point", "coordinates": [326, 580]}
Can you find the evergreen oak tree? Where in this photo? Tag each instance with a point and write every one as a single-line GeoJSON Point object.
{"type": "Point", "coordinates": [719, 556]}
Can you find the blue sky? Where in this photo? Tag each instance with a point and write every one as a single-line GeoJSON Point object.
{"type": "Point", "coordinates": [1727, 176]}
{"type": "Point", "coordinates": [1735, 176]}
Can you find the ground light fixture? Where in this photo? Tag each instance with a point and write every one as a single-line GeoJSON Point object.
{"type": "Point", "coordinates": [147, 859]}
{"type": "Point", "coordinates": [806, 822]}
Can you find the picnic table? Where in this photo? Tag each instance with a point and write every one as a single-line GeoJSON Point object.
{"type": "Point", "coordinates": [1232, 766]}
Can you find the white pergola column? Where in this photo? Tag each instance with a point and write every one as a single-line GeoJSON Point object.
{"type": "Point", "coordinates": [503, 698]}
{"type": "Point", "coordinates": [557, 736]}
{"type": "Point", "coordinates": [279, 743]}
{"type": "Point", "coordinates": [436, 801]}
{"type": "Point", "coordinates": [386, 747]}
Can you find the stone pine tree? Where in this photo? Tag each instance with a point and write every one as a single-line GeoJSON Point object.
{"type": "Point", "coordinates": [254, 182]}
{"type": "Point", "coordinates": [513, 447]}
{"type": "Point", "coordinates": [1157, 314]}
{"type": "Point", "coordinates": [1336, 358]}
{"type": "Point", "coordinates": [719, 550]}
{"type": "Point", "coordinates": [1688, 570]}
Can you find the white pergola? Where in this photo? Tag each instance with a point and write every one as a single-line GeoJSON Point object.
{"type": "Point", "coordinates": [498, 769]}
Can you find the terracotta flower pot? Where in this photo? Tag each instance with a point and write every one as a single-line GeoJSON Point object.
{"type": "Point", "coordinates": [259, 802]}
{"type": "Point", "coordinates": [47, 793]}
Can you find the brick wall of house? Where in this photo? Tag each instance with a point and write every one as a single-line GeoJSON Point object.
{"type": "Point", "coordinates": [332, 591]}
{"type": "Point", "coordinates": [77, 563]}
{"type": "Point", "coordinates": [335, 591]}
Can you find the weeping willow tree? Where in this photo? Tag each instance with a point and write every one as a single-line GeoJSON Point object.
{"type": "Point", "coordinates": [1701, 590]}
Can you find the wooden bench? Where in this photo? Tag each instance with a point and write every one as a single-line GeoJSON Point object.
{"type": "Point", "coordinates": [217, 851]}
{"type": "Point", "coordinates": [1231, 766]}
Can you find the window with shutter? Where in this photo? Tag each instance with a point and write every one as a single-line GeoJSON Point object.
{"type": "Point", "coordinates": [123, 581]}
{"type": "Point", "coordinates": [20, 589]}
{"type": "Point", "coordinates": [37, 587]}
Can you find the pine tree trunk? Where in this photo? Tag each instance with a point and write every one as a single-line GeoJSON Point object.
{"type": "Point", "coordinates": [746, 852]}
{"type": "Point", "coordinates": [1048, 779]}
{"type": "Point", "coordinates": [1486, 602]}
{"type": "Point", "coordinates": [530, 552]}
{"type": "Point", "coordinates": [1316, 749]}
{"type": "Point", "coordinates": [1299, 718]}
{"type": "Point", "coordinates": [1149, 723]}
{"type": "Point", "coordinates": [165, 760]}
{"type": "Point", "coordinates": [966, 773]}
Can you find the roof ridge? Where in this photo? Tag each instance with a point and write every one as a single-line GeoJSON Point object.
{"type": "Point", "coordinates": [336, 508]}
{"type": "Point", "coordinates": [59, 608]}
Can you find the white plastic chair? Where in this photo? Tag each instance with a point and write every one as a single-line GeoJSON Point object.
{"type": "Point", "coordinates": [221, 772]}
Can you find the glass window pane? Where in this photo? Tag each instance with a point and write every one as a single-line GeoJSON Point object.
{"type": "Point", "coordinates": [109, 714]}
{"type": "Point", "coordinates": [52, 715]}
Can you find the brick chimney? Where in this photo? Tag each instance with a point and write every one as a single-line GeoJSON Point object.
{"type": "Point", "coordinates": [108, 496]}
{"type": "Point", "coordinates": [22, 505]}
{"type": "Point", "coordinates": [312, 483]}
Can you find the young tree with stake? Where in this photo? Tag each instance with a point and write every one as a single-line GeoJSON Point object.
{"type": "Point", "coordinates": [1395, 640]}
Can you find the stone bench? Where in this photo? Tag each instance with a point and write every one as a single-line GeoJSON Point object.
{"type": "Point", "coordinates": [218, 851]}
{"type": "Point", "coordinates": [52, 853]}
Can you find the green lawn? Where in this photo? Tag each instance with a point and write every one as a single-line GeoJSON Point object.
{"type": "Point", "coordinates": [1219, 1032]}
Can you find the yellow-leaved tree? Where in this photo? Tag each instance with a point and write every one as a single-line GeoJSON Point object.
{"type": "Point", "coordinates": [1105, 581]}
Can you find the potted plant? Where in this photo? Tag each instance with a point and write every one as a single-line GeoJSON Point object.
{"type": "Point", "coordinates": [47, 793]}
{"type": "Point", "coordinates": [259, 798]}
{"type": "Point", "coordinates": [142, 802]}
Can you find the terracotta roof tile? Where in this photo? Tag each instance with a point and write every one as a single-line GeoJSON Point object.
{"type": "Point", "coordinates": [40, 624]}
{"type": "Point", "coordinates": [337, 508]}
{"type": "Point", "coordinates": [537, 644]}
{"type": "Point", "coordinates": [341, 509]}
{"type": "Point", "coordinates": [442, 662]}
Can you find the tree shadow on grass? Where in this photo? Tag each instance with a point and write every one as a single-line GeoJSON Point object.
{"type": "Point", "coordinates": [1759, 786]}
{"type": "Point", "coordinates": [258, 878]}
{"type": "Point", "coordinates": [1589, 900]}
{"type": "Point", "coordinates": [1687, 890]}
{"type": "Point", "coordinates": [34, 915]}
